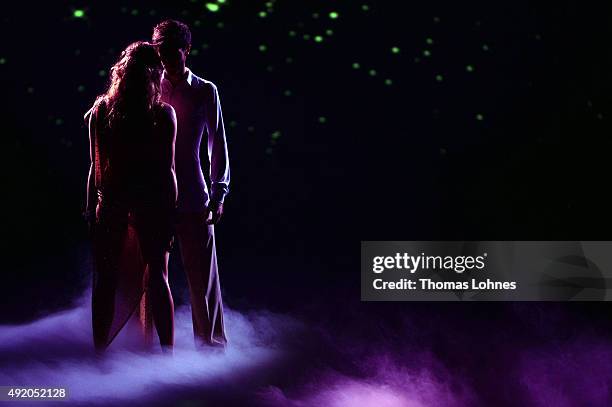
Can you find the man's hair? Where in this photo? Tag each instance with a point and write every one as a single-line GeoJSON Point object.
{"type": "Point", "coordinates": [172, 31]}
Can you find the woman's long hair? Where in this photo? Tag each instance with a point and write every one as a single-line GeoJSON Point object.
{"type": "Point", "coordinates": [135, 84]}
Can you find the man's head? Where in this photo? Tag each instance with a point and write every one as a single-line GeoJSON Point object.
{"type": "Point", "coordinates": [173, 39]}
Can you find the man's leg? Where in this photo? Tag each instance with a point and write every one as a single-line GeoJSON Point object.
{"type": "Point", "coordinates": [198, 252]}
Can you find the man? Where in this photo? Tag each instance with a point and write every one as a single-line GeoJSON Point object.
{"type": "Point", "coordinates": [198, 111]}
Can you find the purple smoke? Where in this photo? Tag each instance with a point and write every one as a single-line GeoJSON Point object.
{"type": "Point", "coordinates": [57, 351]}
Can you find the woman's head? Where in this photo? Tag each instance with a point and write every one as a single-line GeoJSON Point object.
{"type": "Point", "coordinates": [135, 84]}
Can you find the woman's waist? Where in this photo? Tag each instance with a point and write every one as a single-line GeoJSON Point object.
{"type": "Point", "coordinates": [135, 196]}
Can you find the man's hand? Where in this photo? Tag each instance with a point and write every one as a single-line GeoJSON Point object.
{"type": "Point", "coordinates": [216, 211]}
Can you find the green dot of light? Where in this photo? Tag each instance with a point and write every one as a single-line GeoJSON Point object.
{"type": "Point", "coordinates": [365, 7]}
{"type": "Point", "coordinates": [135, 12]}
{"type": "Point", "coordinates": [485, 47]}
{"type": "Point", "coordinates": [80, 88]}
{"type": "Point", "coordinates": [329, 32]}
{"type": "Point", "coordinates": [427, 53]}
{"type": "Point", "coordinates": [356, 65]}
{"type": "Point", "coordinates": [212, 7]}
{"type": "Point", "coordinates": [78, 13]}
{"type": "Point", "coordinates": [333, 15]}
{"type": "Point", "coordinates": [59, 121]}
{"type": "Point", "coordinates": [395, 50]}
{"type": "Point", "coordinates": [469, 68]}
{"type": "Point", "coordinates": [439, 78]}
{"type": "Point", "coordinates": [479, 117]}
{"type": "Point", "coordinates": [287, 92]}
{"type": "Point", "coordinates": [221, 1]}
{"type": "Point", "coordinates": [388, 82]}
{"type": "Point", "coordinates": [429, 40]}
{"type": "Point", "coordinates": [275, 135]}
{"type": "Point", "coordinates": [101, 72]}
{"type": "Point", "coordinates": [263, 48]}
{"type": "Point", "coordinates": [292, 33]}
{"type": "Point", "coordinates": [315, 15]}
{"type": "Point", "coordinates": [318, 38]}
{"type": "Point", "coordinates": [289, 60]}
{"type": "Point", "coordinates": [220, 24]}
{"type": "Point", "coordinates": [322, 119]}
{"type": "Point", "coordinates": [2, 61]}
{"type": "Point", "coordinates": [306, 36]}
{"type": "Point", "coordinates": [372, 72]}
{"type": "Point", "coordinates": [262, 14]}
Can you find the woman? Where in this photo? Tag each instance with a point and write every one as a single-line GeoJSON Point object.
{"type": "Point", "coordinates": [132, 186]}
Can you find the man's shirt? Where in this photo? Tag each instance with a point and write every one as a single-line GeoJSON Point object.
{"type": "Point", "coordinates": [198, 112]}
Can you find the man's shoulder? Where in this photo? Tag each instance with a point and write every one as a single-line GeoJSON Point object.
{"type": "Point", "coordinates": [202, 83]}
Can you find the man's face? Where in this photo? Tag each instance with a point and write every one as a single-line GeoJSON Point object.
{"type": "Point", "coordinates": [173, 57]}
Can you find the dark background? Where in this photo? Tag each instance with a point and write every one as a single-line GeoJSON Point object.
{"type": "Point", "coordinates": [510, 142]}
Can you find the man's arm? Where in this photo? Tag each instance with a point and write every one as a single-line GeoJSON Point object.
{"type": "Point", "coordinates": [217, 150]}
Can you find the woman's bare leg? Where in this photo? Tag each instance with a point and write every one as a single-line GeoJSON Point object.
{"type": "Point", "coordinates": [161, 300]}
{"type": "Point", "coordinates": [106, 257]}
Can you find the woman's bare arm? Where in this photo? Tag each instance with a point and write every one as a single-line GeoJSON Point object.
{"type": "Point", "coordinates": [91, 198]}
{"type": "Point", "coordinates": [168, 128]}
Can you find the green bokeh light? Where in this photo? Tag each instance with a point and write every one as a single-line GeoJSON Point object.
{"type": "Point", "coordinates": [372, 72]}
{"type": "Point", "coordinates": [263, 48]}
{"type": "Point", "coordinates": [479, 117]}
{"type": "Point", "coordinates": [365, 7]}
{"type": "Point", "coordinates": [439, 78]}
{"type": "Point", "coordinates": [322, 119]}
{"type": "Point", "coordinates": [329, 32]}
{"type": "Point", "coordinates": [262, 14]}
{"type": "Point", "coordinates": [395, 50]}
{"type": "Point", "coordinates": [388, 82]}
{"type": "Point", "coordinates": [469, 68]}
{"type": "Point", "coordinates": [318, 38]}
{"type": "Point", "coordinates": [287, 92]}
{"type": "Point", "coordinates": [356, 65]}
{"type": "Point", "coordinates": [78, 13]}
{"type": "Point", "coordinates": [333, 15]}
{"type": "Point", "coordinates": [485, 47]}
{"type": "Point", "coordinates": [212, 7]}
{"type": "Point", "coordinates": [429, 40]}
{"type": "Point", "coordinates": [2, 61]}
{"type": "Point", "coordinates": [427, 53]}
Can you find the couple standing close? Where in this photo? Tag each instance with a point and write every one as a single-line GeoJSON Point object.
{"type": "Point", "coordinates": [146, 188]}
